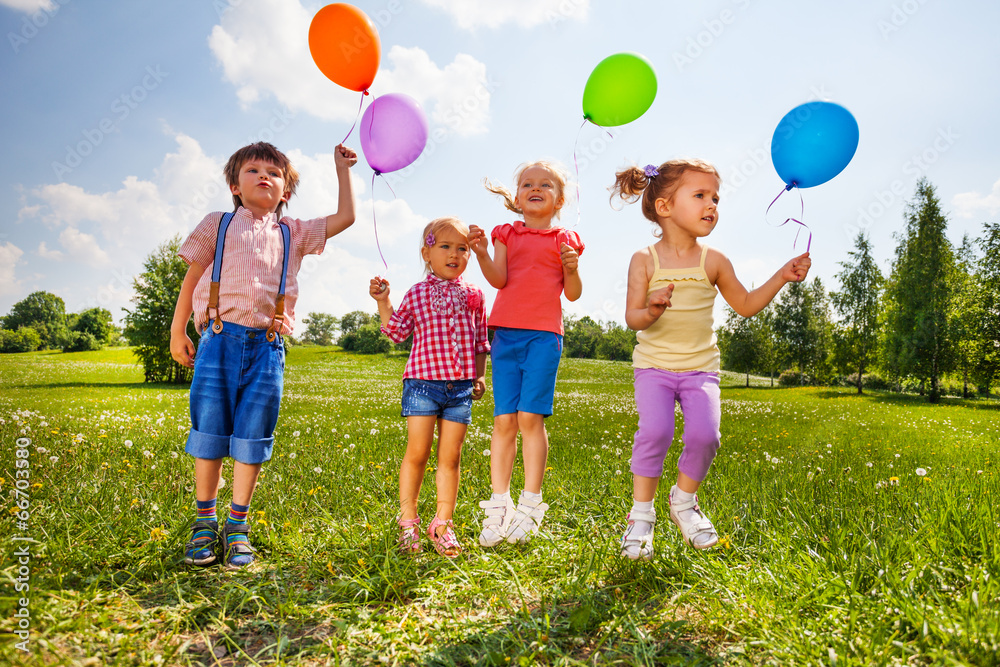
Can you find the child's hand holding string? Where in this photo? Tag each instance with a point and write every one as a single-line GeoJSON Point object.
{"type": "Point", "coordinates": [659, 301]}
{"type": "Point", "coordinates": [378, 288]}
{"type": "Point", "coordinates": [569, 256]}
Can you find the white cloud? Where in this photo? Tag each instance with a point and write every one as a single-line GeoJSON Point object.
{"type": "Point", "coordinates": [44, 252]}
{"type": "Point", "coordinates": [10, 255]}
{"type": "Point", "coordinates": [973, 204]}
{"type": "Point", "coordinates": [471, 14]}
{"type": "Point", "coordinates": [272, 58]}
{"type": "Point", "coordinates": [83, 248]}
{"type": "Point", "coordinates": [29, 6]}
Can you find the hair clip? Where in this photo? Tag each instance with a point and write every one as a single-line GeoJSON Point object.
{"type": "Point", "coordinates": [650, 171]}
{"type": "Point", "coordinates": [429, 239]}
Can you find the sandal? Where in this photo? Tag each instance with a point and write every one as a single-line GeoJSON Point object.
{"type": "Point", "coordinates": [694, 527]}
{"type": "Point", "coordinates": [526, 522]}
{"type": "Point", "coordinates": [201, 548]}
{"type": "Point", "coordinates": [409, 535]}
{"type": "Point", "coordinates": [499, 514]}
{"type": "Point", "coordinates": [638, 546]}
{"type": "Point", "coordinates": [446, 543]}
{"type": "Point", "coordinates": [238, 554]}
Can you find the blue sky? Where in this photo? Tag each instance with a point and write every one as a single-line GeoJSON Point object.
{"type": "Point", "coordinates": [118, 118]}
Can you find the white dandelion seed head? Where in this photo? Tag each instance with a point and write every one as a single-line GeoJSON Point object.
{"type": "Point", "coordinates": [222, 482]}
{"type": "Point", "coordinates": [486, 452]}
{"type": "Point", "coordinates": [920, 472]}
{"type": "Point", "coordinates": [317, 470]}
{"type": "Point", "coordinates": [128, 443]}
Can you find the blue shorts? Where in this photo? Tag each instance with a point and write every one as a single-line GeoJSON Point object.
{"type": "Point", "coordinates": [524, 370]}
{"type": "Point", "coordinates": [448, 399]}
{"type": "Point", "coordinates": [235, 394]}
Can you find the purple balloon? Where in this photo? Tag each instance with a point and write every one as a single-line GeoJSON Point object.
{"type": "Point", "coordinates": [393, 132]}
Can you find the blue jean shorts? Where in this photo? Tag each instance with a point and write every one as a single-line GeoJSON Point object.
{"type": "Point", "coordinates": [525, 363]}
{"type": "Point", "coordinates": [448, 399]}
{"type": "Point", "coordinates": [235, 394]}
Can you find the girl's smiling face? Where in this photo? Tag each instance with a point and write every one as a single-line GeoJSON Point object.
{"type": "Point", "coordinates": [539, 194]}
{"type": "Point", "coordinates": [449, 255]}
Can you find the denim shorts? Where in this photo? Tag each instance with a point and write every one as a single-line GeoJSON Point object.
{"type": "Point", "coordinates": [525, 363]}
{"type": "Point", "coordinates": [235, 394]}
{"type": "Point", "coordinates": [447, 399]}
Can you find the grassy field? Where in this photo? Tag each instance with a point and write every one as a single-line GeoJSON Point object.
{"type": "Point", "coordinates": [835, 549]}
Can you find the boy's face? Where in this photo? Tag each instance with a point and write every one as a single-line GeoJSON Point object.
{"type": "Point", "coordinates": [261, 186]}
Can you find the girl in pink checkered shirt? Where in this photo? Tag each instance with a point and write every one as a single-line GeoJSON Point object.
{"type": "Point", "coordinates": [444, 374]}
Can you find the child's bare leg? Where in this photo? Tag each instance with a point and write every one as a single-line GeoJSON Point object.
{"type": "Point", "coordinates": [451, 435]}
{"type": "Point", "coordinates": [644, 488]}
{"type": "Point", "coordinates": [244, 481]}
{"type": "Point", "coordinates": [686, 484]}
{"type": "Point", "coordinates": [503, 452]}
{"type": "Point", "coordinates": [206, 478]}
{"type": "Point", "coordinates": [536, 449]}
{"type": "Point", "coordinates": [420, 438]}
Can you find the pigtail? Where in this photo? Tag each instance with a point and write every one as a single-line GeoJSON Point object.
{"type": "Point", "coordinates": [501, 191]}
{"type": "Point", "coordinates": [629, 185]}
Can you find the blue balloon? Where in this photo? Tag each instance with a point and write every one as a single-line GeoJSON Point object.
{"type": "Point", "coordinates": [813, 143]}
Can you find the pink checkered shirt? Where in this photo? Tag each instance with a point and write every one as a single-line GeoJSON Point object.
{"type": "Point", "coordinates": [251, 266]}
{"type": "Point", "coordinates": [448, 321]}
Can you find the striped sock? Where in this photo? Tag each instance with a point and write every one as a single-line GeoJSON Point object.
{"type": "Point", "coordinates": [238, 516]}
{"type": "Point", "coordinates": [203, 538]}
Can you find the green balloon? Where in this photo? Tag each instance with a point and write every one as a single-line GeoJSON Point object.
{"type": "Point", "coordinates": [620, 89]}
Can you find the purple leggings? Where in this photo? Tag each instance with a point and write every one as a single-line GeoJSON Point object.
{"type": "Point", "coordinates": [655, 393]}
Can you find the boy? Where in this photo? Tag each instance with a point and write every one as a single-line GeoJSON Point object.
{"type": "Point", "coordinates": [242, 307]}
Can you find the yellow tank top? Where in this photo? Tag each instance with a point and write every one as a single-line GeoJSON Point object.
{"type": "Point", "coordinates": [683, 339]}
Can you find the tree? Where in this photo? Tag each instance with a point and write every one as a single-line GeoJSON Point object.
{"type": "Point", "coordinates": [366, 339]}
{"type": "Point", "coordinates": [988, 367]}
{"type": "Point", "coordinates": [45, 313]}
{"type": "Point", "coordinates": [95, 321]}
{"type": "Point", "coordinates": [581, 337]}
{"type": "Point", "coordinates": [320, 329]}
{"type": "Point", "coordinates": [24, 339]}
{"type": "Point", "coordinates": [356, 319]}
{"type": "Point", "coordinates": [746, 343]}
{"type": "Point", "coordinates": [967, 316]}
{"type": "Point", "coordinates": [616, 343]}
{"type": "Point", "coordinates": [148, 325]}
{"type": "Point", "coordinates": [802, 326]}
{"type": "Point", "coordinates": [916, 339]}
{"type": "Point", "coordinates": [858, 306]}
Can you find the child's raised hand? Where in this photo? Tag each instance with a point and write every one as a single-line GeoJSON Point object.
{"type": "Point", "coordinates": [660, 300]}
{"type": "Point", "coordinates": [478, 388]}
{"type": "Point", "coordinates": [795, 270]}
{"type": "Point", "coordinates": [478, 241]}
{"type": "Point", "coordinates": [378, 288]}
{"type": "Point", "coordinates": [344, 157]}
{"type": "Point", "coordinates": [570, 257]}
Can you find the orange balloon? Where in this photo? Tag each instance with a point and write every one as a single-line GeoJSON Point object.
{"type": "Point", "coordinates": [345, 46]}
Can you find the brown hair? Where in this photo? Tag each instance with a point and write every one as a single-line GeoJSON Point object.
{"type": "Point", "coordinates": [558, 175]}
{"type": "Point", "coordinates": [435, 227]}
{"type": "Point", "coordinates": [261, 151]}
{"type": "Point", "coordinates": [632, 182]}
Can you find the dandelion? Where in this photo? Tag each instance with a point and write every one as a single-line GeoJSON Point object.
{"type": "Point", "coordinates": [157, 534]}
{"type": "Point", "coordinates": [869, 464]}
{"type": "Point", "coordinates": [618, 472]}
{"type": "Point", "coordinates": [317, 470]}
{"type": "Point", "coordinates": [329, 568]}
{"type": "Point", "coordinates": [486, 452]}
{"type": "Point", "coordinates": [920, 472]}
{"type": "Point", "coordinates": [295, 434]}
{"type": "Point", "coordinates": [173, 455]}
{"type": "Point", "coordinates": [292, 455]}
{"type": "Point", "coordinates": [894, 481]}
{"type": "Point", "coordinates": [53, 459]}
{"type": "Point", "coordinates": [41, 450]}
{"type": "Point", "coordinates": [373, 431]}
{"type": "Point", "coordinates": [148, 454]}
{"type": "Point", "coordinates": [128, 443]}
{"type": "Point", "coordinates": [725, 543]}
{"type": "Point", "coordinates": [222, 482]}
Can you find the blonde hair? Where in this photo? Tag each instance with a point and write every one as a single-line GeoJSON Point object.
{"type": "Point", "coordinates": [266, 152]}
{"type": "Point", "coordinates": [632, 183]}
{"type": "Point", "coordinates": [435, 227]}
{"type": "Point", "coordinates": [559, 176]}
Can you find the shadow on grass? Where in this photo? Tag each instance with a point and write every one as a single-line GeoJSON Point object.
{"type": "Point", "coordinates": [908, 400]}
{"type": "Point", "coordinates": [157, 386]}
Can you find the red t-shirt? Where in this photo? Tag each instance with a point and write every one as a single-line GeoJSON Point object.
{"type": "Point", "coordinates": [531, 297]}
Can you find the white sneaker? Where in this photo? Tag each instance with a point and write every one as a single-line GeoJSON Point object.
{"type": "Point", "coordinates": [638, 546]}
{"type": "Point", "coordinates": [527, 520]}
{"type": "Point", "coordinates": [496, 523]}
{"type": "Point", "coordinates": [696, 528]}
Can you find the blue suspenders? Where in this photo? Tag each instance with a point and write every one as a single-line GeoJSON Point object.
{"type": "Point", "coordinates": [213, 291]}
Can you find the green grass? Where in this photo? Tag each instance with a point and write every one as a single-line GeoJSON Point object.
{"type": "Point", "coordinates": [834, 550]}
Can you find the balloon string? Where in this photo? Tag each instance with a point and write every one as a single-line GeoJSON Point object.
{"type": "Point", "coordinates": [375, 222]}
{"type": "Point", "coordinates": [356, 117]}
{"type": "Point", "coordinates": [802, 211]}
{"type": "Point", "coordinates": [576, 165]}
